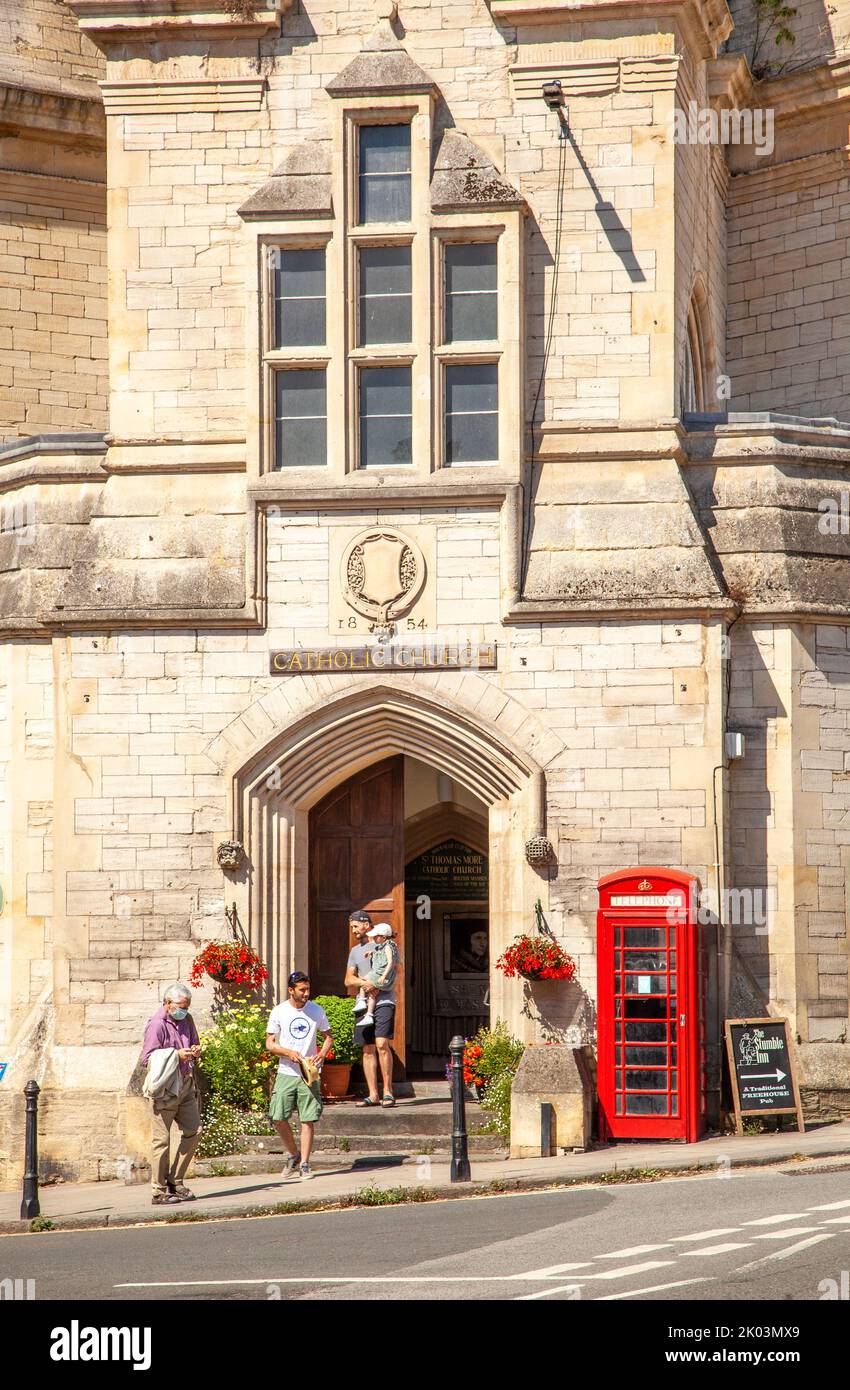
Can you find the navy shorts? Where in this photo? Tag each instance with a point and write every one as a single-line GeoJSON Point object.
{"type": "Point", "coordinates": [383, 1027]}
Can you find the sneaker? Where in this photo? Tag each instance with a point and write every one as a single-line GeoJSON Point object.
{"type": "Point", "coordinates": [359, 1006]}
{"type": "Point", "coordinates": [367, 1020]}
{"type": "Point", "coordinates": [305, 1171]}
{"type": "Point", "coordinates": [291, 1165]}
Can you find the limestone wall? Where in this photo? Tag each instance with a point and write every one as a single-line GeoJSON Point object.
{"type": "Point", "coordinates": [41, 39]}
{"type": "Point", "coordinates": [52, 306]}
{"type": "Point", "coordinates": [788, 311]}
{"type": "Point", "coordinates": [788, 818]}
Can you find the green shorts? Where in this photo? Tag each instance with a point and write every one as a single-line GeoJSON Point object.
{"type": "Point", "coordinates": [291, 1093]}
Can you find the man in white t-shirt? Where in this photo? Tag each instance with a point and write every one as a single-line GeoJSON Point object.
{"type": "Point", "coordinates": [291, 1035]}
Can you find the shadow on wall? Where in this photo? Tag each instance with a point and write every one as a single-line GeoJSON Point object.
{"type": "Point", "coordinates": [754, 709]}
{"type": "Point", "coordinates": [562, 1013]}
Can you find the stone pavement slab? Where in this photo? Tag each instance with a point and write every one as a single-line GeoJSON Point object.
{"type": "Point", "coordinates": [76, 1205]}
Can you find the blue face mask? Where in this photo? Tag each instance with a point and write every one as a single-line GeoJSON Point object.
{"type": "Point", "coordinates": [179, 1013]}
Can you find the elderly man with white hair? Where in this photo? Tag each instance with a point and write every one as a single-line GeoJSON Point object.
{"type": "Point", "coordinates": [169, 1051]}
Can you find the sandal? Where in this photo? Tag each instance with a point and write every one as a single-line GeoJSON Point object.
{"type": "Point", "coordinates": [363, 1104]}
{"type": "Point", "coordinates": [388, 1101]}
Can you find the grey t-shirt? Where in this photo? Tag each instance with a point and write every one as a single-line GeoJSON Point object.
{"type": "Point", "coordinates": [359, 959]}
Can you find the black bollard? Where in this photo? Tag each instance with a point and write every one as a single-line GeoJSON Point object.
{"type": "Point", "coordinates": [460, 1154]}
{"type": "Point", "coordinates": [30, 1205]}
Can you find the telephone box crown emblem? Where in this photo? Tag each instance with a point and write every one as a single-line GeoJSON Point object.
{"type": "Point", "coordinates": [644, 885]}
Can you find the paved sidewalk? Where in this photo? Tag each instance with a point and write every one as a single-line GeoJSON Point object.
{"type": "Point", "coordinates": [77, 1205]}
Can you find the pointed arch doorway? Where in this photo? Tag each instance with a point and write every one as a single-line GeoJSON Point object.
{"type": "Point", "coordinates": [284, 764]}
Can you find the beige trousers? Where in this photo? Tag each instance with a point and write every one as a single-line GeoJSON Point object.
{"type": "Point", "coordinates": [182, 1109]}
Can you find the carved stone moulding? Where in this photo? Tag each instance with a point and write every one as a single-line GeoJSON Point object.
{"type": "Point", "coordinates": [230, 855]}
{"type": "Point", "coordinates": [121, 20]}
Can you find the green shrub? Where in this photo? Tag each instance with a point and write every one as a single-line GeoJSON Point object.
{"type": "Point", "coordinates": [234, 1059]}
{"type": "Point", "coordinates": [491, 1052]}
{"type": "Point", "coordinates": [340, 1012]}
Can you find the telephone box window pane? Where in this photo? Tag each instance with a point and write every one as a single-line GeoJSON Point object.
{"type": "Point", "coordinates": [299, 290]}
{"type": "Point", "coordinates": [674, 1081]}
{"type": "Point", "coordinates": [618, 936]}
{"type": "Point", "coordinates": [646, 960]}
{"type": "Point", "coordinates": [646, 984]}
{"type": "Point", "coordinates": [384, 173]}
{"type": "Point", "coordinates": [646, 1056]}
{"type": "Point", "coordinates": [646, 1032]}
{"type": "Point", "coordinates": [646, 936]}
{"type": "Point", "coordinates": [384, 295]}
{"type": "Point", "coordinates": [301, 418]}
{"type": "Point", "coordinates": [618, 1108]}
{"type": "Point", "coordinates": [674, 1105]}
{"type": "Point", "coordinates": [672, 1030]}
{"type": "Point", "coordinates": [471, 297]}
{"type": "Point", "coordinates": [646, 1105]}
{"type": "Point", "coordinates": [472, 413]}
{"type": "Point", "coordinates": [618, 1056]}
{"type": "Point", "coordinates": [618, 1080]}
{"type": "Point", "coordinates": [672, 960]}
{"type": "Point", "coordinates": [386, 423]}
{"type": "Point", "coordinates": [673, 1056]}
{"type": "Point", "coordinates": [646, 1080]}
{"type": "Point", "coordinates": [618, 984]}
{"type": "Point", "coordinates": [618, 1032]}
{"type": "Point", "coordinates": [645, 1007]}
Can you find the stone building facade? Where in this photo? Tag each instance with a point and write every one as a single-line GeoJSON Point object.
{"type": "Point", "coordinates": [314, 333]}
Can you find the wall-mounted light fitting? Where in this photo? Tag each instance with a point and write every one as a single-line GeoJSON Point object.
{"type": "Point", "coordinates": [553, 95]}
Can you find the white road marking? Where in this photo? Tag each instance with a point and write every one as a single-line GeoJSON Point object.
{"type": "Point", "coordinates": [548, 1293]}
{"type": "Point", "coordinates": [709, 1235]}
{"type": "Point", "coordinates": [653, 1288]}
{"type": "Point", "coordinates": [631, 1269]}
{"type": "Point", "coordinates": [836, 1221]}
{"type": "Point", "coordinates": [549, 1272]}
{"type": "Point", "coordinates": [718, 1249]}
{"type": "Point", "coordinates": [775, 1220]}
{"type": "Point", "coordinates": [786, 1254]}
{"type": "Point", "coordinates": [830, 1206]}
{"type": "Point", "coordinates": [338, 1279]}
{"type": "Point", "coordinates": [634, 1250]}
{"type": "Point", "coordinates": [788, 1233]}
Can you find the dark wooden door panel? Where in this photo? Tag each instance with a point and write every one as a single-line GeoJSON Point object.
{"type": "Point", "coordinates": [357, 861]}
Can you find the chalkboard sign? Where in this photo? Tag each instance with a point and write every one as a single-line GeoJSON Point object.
{"type": "Point", "coordinates": [761, 1068]}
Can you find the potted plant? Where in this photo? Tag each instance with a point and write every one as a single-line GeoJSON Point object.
{"type": "Point", "coordinates": [336, 1073]}
{"type": "Point", "coordinates": [229, 962]}
{"type": "Point", "coordinates": [536, 958]}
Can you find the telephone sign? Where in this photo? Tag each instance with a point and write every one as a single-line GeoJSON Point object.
{"type": "Point", "coordinates": [651, 985]}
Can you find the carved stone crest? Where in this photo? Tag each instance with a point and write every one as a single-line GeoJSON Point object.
{"type": "Point", "coordinates": [230, 854]}
{"type": "Point", "coordinates": [382, 575]}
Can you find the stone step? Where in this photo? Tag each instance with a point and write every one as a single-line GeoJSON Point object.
{"type": "Point", "coordinates": [421, 1117]}
{"type": "Point", "coordinates": [387, 1143]}
{"type": "Point", "coordinates": [331, 1160]}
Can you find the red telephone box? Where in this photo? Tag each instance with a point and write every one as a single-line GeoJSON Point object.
{"type": "Point", "coordinates": [650, 1002]}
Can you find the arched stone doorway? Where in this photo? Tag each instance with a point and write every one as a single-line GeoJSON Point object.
{"type": "Point", "coordinates": [291, 769]}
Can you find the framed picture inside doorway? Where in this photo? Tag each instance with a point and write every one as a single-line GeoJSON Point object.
{"type": "Point", "coordinates": [466, 946]}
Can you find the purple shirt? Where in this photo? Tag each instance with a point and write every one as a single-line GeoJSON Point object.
{"type": "Point", "coordinates": [164, 1031]}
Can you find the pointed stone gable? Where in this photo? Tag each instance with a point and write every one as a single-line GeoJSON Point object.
{"type": "Point", "coordinates": [465, 177]}
{"type": "Point", "coordinates": [382, 66]}
{"type": "Point", "coordinates": [299, 187]}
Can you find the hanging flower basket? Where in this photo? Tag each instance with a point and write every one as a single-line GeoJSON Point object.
{"type": "Point", "coordinates": [536, 958]}
{"type": "Point", "coordinates": [230, 963]}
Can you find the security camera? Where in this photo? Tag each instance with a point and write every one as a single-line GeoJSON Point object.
{"type": "Point", "coordinates": [553, 95]}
